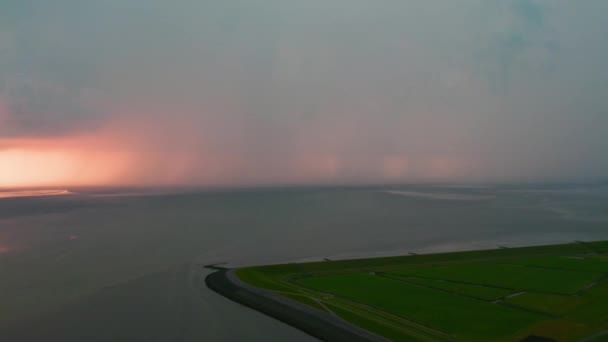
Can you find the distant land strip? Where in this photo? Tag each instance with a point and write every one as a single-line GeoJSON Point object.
{"type": "Point", "coordinates": [34, 193]}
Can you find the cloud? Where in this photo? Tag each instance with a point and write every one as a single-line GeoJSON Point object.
{"type": "Point", "coordinates": [250, 92]}
{"type": "Point", "coordinates": [518, 38]}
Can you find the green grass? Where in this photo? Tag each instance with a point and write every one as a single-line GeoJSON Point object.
{"type": "Point", "coordinates": [259, 279]}
{"type": "Point", "coordinates": [385, 329]}
{"type": "Point", "coordinates": [475, 291]}
{"type": "Point", "coordinates": [598, 246]}
{"type": "Point", "coordinates": [462, 296]}
{"type": "Point", "coordinates": [595, 308]}
{"type": "Point", "coordinates": [464, 317]}
{"type": "Point", "coordinates": [514, 277]}
{"type": "Point", "coordinates": [548, 303]}
{"type": "Point", "coordinates": [590, 264]}
{"type": "Point", "coordinates": [603, 338]}
{"type": "Point", "coordinates": [420, 260]}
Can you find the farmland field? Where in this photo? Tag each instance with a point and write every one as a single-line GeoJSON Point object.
{"type": "Point", "coordinates": [558, 292]}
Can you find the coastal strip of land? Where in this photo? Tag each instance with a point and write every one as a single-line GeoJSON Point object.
{"type": "Point", "coordinates": [553, 292]}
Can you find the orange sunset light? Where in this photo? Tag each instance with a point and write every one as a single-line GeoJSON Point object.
{"type": "Point", "coordinates": [48, 163]}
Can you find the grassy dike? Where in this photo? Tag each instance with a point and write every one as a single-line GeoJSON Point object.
{"type": "Point", "coordinates": [559, 292]}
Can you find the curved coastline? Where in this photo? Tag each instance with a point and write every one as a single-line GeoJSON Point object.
{"type": "Point", "coordinates": [319, 324]}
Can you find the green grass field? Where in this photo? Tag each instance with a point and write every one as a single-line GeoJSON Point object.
{"type": "Point", "coordinates": [558, 291]}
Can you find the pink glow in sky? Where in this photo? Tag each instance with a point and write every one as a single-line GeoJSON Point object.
{"type": "Point", "coordinates": [134, 150]}
{"type": "Point", "coordinates": [59, 162]}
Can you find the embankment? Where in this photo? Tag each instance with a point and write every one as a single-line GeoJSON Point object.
{"type": "Point", "coordinates": [319, 324]}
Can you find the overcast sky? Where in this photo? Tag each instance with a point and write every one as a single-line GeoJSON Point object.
{"type": "Point", "coordinates": [315, 91]}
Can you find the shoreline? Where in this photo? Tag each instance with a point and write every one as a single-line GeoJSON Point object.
{"type": "Point", "coordinates": [316, 323]}
{"type": "Point", "coordinates": [328, 326]}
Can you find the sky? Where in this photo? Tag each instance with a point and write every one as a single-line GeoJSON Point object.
{"type": "Point", "coordinates": [248, 92]}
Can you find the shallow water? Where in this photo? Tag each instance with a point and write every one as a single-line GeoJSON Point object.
{"type": "Point", "coordinates": [60, 257]}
